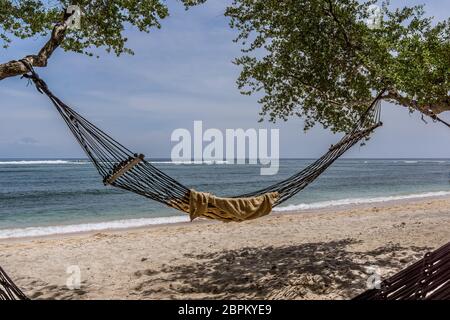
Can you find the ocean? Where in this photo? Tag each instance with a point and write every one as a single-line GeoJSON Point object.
{"type": "Point", "coordinates": [43, 197]}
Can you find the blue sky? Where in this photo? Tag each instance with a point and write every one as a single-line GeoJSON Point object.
{"type": "Point", "coordinates": [179, 74]}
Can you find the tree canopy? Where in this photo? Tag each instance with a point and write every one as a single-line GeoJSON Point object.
{"type": "Point", "coordinates": [320, 60]}
{"type": "Point", "coordinates": [317, 59]}
{"type": "Point", "coordinates": [102, 26]}
{"type": "Point", "coordinates": [103, 22]}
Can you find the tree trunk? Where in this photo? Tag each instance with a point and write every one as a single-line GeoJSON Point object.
{"type": "Point", "coordinates": [16, 68]}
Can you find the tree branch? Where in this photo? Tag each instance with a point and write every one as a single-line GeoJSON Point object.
{"type": "Point", "coordinates": [16, 68]}
{"type": "Point", "coordinates": [324, 95]}
{"type": "Point", "coordinates": [427, 109]}
{"type": "Point", "coordinates": [341, 27]}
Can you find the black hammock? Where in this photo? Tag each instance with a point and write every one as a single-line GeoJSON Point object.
{"type": "Point", "coordinates": [124, 169]}
{"type": "Point", "coordinates": [426, 279]}
{"type": "Point", "coordinates": [8, 290]}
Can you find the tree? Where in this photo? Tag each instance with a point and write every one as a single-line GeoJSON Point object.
{"type": "Point", "coordinates": [320, 60]}
{"type": "Point", "coordinates": [103, 23]}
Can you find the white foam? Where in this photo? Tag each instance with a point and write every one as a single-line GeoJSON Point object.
{"type": "Point", "coordinates": [34, 162]}
{"type": "Point", "coordinates": [350, 201]}
{"type": "Point", "coordinates": [117, 224]}
{"type": "Point", "coordinates": [410, 161]}
{"type": "Point", "coordinates": [434, 161]}
{"type": "Point", "coordinates": [193, 162]}
{"type": "Point", "coordinates": [133, 223]}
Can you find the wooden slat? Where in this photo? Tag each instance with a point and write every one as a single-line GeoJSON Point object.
{"type": "Point", "coordinates": [130, 165]}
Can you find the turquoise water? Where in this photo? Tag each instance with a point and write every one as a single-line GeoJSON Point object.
{"type": "Point", "coordinates": [35, 194]}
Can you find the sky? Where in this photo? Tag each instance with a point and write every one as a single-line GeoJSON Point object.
{"type": "Point", "coordinates": [179, 74]}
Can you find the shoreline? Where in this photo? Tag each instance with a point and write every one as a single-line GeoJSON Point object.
{"type": "Point", "coordinates": [324, 254]}
{"type": "Point", "coordinates": [312, 211]}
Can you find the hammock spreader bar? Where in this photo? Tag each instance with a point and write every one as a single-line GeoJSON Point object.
{"type": "Point", "coordinates": [121, 168]}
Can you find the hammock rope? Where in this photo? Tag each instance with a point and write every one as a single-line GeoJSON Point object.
{"type": "Point", "coordinates": [124, 169]}
{"type": "Point", "coordinates": [8, 290]}
{"type": "Point", "coordinates": [426, 279]}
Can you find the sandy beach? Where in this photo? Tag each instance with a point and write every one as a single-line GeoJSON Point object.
{"type": "Point", "coordinates": [324, 254]}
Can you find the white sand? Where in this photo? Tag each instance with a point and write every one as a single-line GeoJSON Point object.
{"type": "Point", "coordinates": [315, 255]}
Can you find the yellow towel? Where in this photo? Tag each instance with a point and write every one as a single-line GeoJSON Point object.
{"type": "Point", "coordinates": [229, 209]}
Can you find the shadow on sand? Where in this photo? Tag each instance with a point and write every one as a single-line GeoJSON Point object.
{"type": "Point", "coordinates": [305, 271]}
